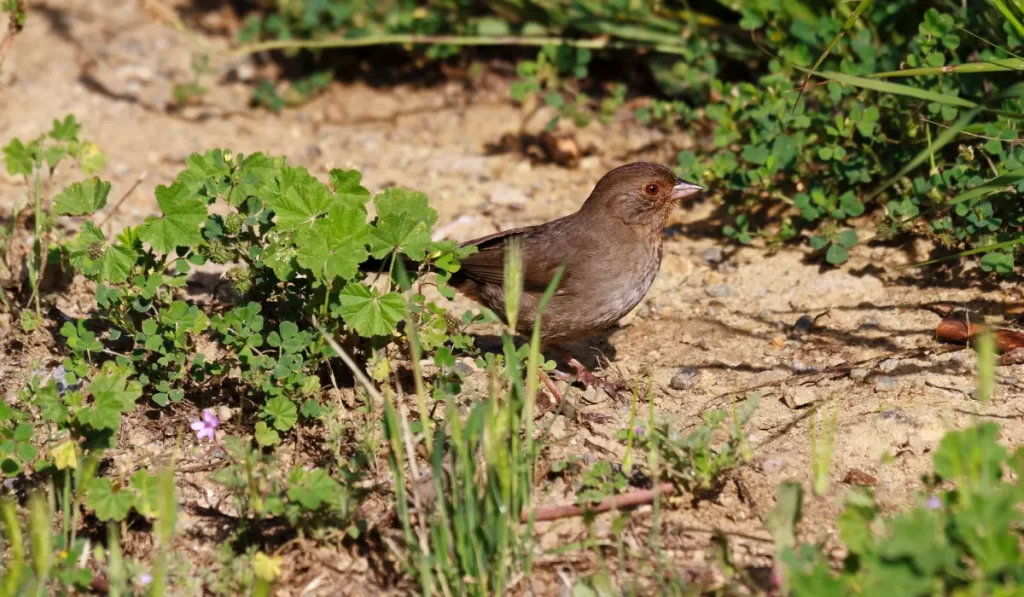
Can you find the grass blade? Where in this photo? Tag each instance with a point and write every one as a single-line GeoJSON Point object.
{"type": "Point", "coordinates": [846, 27]}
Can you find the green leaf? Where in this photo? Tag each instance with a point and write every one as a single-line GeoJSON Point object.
{"type": "Point", "coordinates": [19, 159]}
{"type": "Point", "coordinates": [368, 313]}
{"type": "Point", "coordinates": [755, 154]}
{"type": "Point", "coordinates": [113, 264]}
{"type": "Point", "coordinates": [312, 488]}
{"type": "Point", "coordinates": [112, 394]}
{"type": "Point", "coordinates": [108, 503]}
{"type": "Point", "coordinates": [67, 130]}
{"type": "Point", "coordinates": [311, 409]}
{"type": "Point", "coordinates": [255, 178]}
{"type": "Point", "coordinates": [27, 453]}
{"type": "Point", "coordinates": [147, 488]}
{"type": "Point", "coordinates": [51, 407]}
{"type": "Point", "coordinates": [282, 411]}
{"type": "Point", "coordinates": [348, 183]}
{"type": "Point", "coordinates": [972, 457]}
{"type": "Point", "coordinates": [82, 198]}
{"type": "Point", "coordinates": [997, 261]}
{"type": "Point", "coordinates": [836, 254]}
{"type": "Point", "coordinates": [846, 238]}
{"type": "Point", "coordinates": [266, 436]}
{"type": "Point", "coordinates": [334, 246]}
{"type": "Point", "coordinates": [204, 170]}
{"type": "Point", "coordinates": [184, 215]}
{"type": "Point", "coordinates": [404, 221]}
{"type": "Point", "coordinates": [299, 200]}
{"type": "Point", "coordinates": [22, 433]}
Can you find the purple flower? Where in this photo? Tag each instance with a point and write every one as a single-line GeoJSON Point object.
{"type": "Point", "coordinates": [207, 426]}
{"type": "Point", "coordinates": [934, 503]}
{"type": "Point", "coordinates": [144, 579]}
{"type": "Point", "coordinates": [639, 431]}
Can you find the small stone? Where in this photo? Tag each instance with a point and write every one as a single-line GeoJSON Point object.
{"type": "Point", "coordinates": [685, 379]}
{"type": "Point", "coordinates": [804, 324]}
{"type": "Point", "coordinates": [855, 476]}
{"type": "Point", "coordinates": [712, 255]}
{"type": "Point", "coordinates": [799, 366]}
{"type": "Point", "coordinates": [594, 395]}
{"type": "Point", "coordinates": [773, 464]}
{"type": "Point", "coordinates": [508, 195]}
{"type": "Point", "coordinates": [801, 396]}
{"type": "Point", "coordinates": [888, 365]}
{"type": "Point", "coordinates": [858, 374]}
{"type": "Point", "coordinates": [719, 290]}
{"type": "Point", "coordinates": [466, 367]}
{"type": "Point", "coordinates": [223, 413]}
{"type": "Point", "coordinates": [885, 383]}
{"type": "Point", "coordinates": [898, 416]}
{"type": "Point", "coordinates": [869, 324]}
{"type": "Point", "coordinates": [313, 151]}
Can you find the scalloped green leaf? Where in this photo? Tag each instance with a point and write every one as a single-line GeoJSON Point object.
{"type": "Point", "coordinates": [82, 198]}
{"type": "Point", "coordinates": [180, 225]}
{"type": "Point", "coordinates": [369, 313]}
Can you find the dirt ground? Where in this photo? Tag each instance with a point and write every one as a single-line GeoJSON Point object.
{"type": "Point", "coordinates": [729, 313]}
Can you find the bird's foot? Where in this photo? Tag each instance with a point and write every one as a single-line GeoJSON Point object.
{"type": "Point", "coordinates": [614, 388]}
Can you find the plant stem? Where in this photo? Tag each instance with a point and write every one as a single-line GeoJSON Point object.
{"type": "Point", "coordinates": [988, 66]}
{"type": "Point", "coordinates": [454, 40]}
{"type": "Point", "coordinates": [36, 273]}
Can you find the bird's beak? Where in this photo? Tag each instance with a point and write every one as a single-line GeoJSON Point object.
{"type": "Point", "coordinates": [684, 189]}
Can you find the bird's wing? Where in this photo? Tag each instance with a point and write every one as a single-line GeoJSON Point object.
{"type": "Point", "coordinates": [542, 255]}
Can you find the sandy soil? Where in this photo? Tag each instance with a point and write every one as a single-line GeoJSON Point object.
{"type": "Point", "coordinates": [729, 313]}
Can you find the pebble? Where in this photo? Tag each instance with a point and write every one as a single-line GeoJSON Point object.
{"type": "Point", "coordinates": [685, 379]}
{"type": "Point", "coordinates": [801, 396]}
{"type": "Point", "coordinates": [508, 195]}
{"type": "Point", "coordinates": [858, 374]}
{"type": "Point", "coordinates": [802, 367]}
{"type": "Point", "coordinates": [888, 365]}
{"type": "Point", "coordinates": [719, 290]}
{"type": "Point", "coordinates": [885, 383]}
{"type": "Point", "coordinates": [712, 255]}
{"type": "Point", "coordinates": [773, 464]}
{"type": "Point", "coordinates": [898, 416]}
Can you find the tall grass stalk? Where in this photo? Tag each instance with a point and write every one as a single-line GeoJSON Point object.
{"type": "Point", "coordinates": [468, 540]}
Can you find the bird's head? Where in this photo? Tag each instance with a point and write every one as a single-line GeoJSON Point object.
{"type": "Point", "coordinates": [639, 193]}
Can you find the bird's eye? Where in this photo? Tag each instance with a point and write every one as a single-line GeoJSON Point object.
{"type": "Point", "coordinates": [651, 190]}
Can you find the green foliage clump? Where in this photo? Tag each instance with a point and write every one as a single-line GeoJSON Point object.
{"type": "Point", "coordinates": [800, 127]}
{"type": "Point", "coordinates": [964, 536]}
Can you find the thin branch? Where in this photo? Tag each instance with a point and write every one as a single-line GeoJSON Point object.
{"type": "Point", "coordinates": [14, 27]}
{"type": "Point", "coordinates": [618, 502]}
{"type": "Point", "coordinates": [124, 197]}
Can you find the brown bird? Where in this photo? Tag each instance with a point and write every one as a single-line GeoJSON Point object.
{"type": "Point", "coordinates": [611, 250]}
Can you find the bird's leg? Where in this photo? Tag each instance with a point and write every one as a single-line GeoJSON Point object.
{"type": "Point", "coordinates": [585, 377]}
{"type": "Point", "coordinates": [561, 406]}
